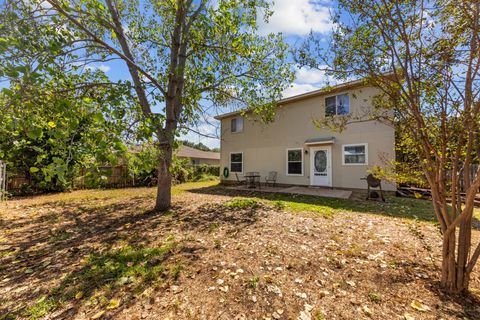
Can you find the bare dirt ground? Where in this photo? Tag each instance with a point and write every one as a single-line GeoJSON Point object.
{"type": "Point", "coordinates": [103, 254]}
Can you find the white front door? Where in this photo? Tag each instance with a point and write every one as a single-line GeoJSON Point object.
{"type": "Point", "coordinates": [321, 166]}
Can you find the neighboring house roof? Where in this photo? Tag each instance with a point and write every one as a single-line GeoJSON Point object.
{"type": "Point", "coordinates": [322, 91]}
{"type": "Point", "coordinates": [189, 152]}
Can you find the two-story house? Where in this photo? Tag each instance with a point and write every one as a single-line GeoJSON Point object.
{"type": "Point", "coordinates": [299, 151]}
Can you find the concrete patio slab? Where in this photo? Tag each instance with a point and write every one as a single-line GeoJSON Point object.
{"type": "Point", "coordinates": [310, 191]}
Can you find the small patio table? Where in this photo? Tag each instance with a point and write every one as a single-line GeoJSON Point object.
{"type": "Point", "coordinates": [252, 178]}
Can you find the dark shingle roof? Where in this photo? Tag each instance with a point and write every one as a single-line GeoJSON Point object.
{"type": "Point", "coordinates": [189, 152]}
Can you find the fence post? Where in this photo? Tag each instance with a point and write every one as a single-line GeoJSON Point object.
{"type": "Point", "coordinates": [3, 180]}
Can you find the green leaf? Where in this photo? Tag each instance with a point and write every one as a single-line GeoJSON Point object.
{"type": "Point", "coordinates": [34, 169]}
{"type": "Point", "coordinates": [35, 133]}
{"type": "Point", "coordinates": [120, 146]}
{"type": "Point", "coordinates": [97, 117]}
{"type": "Point", "coordinates": [8, 92]}
{"type": "Point", "coordinates": [11, 73]}
{"type": "Point", "coordinates": [87, 100]}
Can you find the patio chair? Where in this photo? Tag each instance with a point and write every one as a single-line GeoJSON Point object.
{"type": "Point", "coordinates": [256, 179]}
{"type": "Point", "coordinates": [240, 181]}
{"type": "Point", "coordinates": [271, 178]}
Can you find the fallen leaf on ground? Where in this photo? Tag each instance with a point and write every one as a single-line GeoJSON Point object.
{"type": "Point", "coordinates": [113, 304]}
{"type": "Point", "coordinates": [98, 315]}
{"type": "Point", "coordinates": [419, 306]}
{"type": "Point", "coordinates": [367, 311]}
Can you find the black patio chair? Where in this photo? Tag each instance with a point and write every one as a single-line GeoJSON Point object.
{"type": "Point", "coordinates": [271, 178]}
{"type": "Point", "coordinates": [240, 181]}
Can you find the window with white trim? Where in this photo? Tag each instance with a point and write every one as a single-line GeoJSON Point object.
{"type": "Point", "coordinates": [236, 125]}
{"type": "Point", "coordinates": [295, 162]}
{"type": "Point", "coordinates": [355, 154]}
{"type": "Point", "coordinates": [236, 162]}
{"type": "Point", "coordinates": [337, 105]}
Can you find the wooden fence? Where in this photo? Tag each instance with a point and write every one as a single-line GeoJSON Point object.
{"type": "Point", "coordinates": [111, 177]}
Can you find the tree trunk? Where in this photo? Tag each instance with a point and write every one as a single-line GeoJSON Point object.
{"type": "Point", "coordinates": [164, 177]}
{"type": "Point", "coordinates": [455, 276]}
{"type": "Point", "coordinates": [464, 243]}
{"type": "Point", "coordinates": [449, 265]}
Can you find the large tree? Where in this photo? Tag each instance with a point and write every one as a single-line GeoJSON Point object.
{"type": "Point", "coordinates": [183, 57]}
{"type": "Point", "coordinates": [425, 59]}
{"type": "Point", "coordinates": [54, 120]}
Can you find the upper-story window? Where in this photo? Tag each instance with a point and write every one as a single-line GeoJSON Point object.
{"type": "Point", "coordinates": [337, 105]}
{"type": "Point", "coordinates": [237, 125]}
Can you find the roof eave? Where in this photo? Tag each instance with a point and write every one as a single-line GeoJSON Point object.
{"type": "Point", "coordinates": [324, 90]}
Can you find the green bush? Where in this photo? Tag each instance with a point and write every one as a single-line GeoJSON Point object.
{"type": "Point", "coordinates": [204, 172]}
{"type": "Point", "coordinates": [181, 170]}
{"type": "Point", "coordinates": [138, 168]}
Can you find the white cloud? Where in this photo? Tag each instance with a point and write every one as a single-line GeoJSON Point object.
{"type": "Point", "coordinates": [296, 89]}
{"type": "Point", "coordinates": [307, 80]}
{"type": "Point", "coordinates": [101, 67]}
{"type": "Point", "coordinates": [306, 75]}
{"type": "Point", "coordinates": [298, 17]}
{"type": "Point", "coordinates": [104, 68]}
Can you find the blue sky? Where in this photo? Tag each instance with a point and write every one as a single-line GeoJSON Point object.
{"type": "Point", "coordinates": [294, 19]}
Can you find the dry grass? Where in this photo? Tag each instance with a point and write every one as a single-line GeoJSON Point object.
{"type": "Point", "coordinates": [221, 255]}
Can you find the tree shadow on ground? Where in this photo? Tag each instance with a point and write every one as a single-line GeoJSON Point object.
{"type": "Point", "coordinates": [468, 301]}
{"type": "Point", "coordinates": [415, 209]}
{"type": "Point", "coordinates": [100, 252]}
{"type": "Point", "coordinates": [407, 272]}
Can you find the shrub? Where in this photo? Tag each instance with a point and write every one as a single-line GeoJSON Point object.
{"type": "Point", "coordinates": [279, 205]}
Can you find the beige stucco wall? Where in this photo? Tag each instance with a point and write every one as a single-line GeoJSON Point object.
{"type": "Point", "coordinates": [264, 145]}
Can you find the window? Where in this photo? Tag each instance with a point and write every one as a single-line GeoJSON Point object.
{"type": "Point", "coordinates": [236, 162]}
{"type": "Point", "coordinates": [237, 125]}
{"type": "Point", "coordinates": [355, 154]}
{"type": "Point", "coordinates": [195, 162]}
{"type": "Point", "coordinates": [295, 162]}
{"type": "Point", "coordinates": [337, 105]}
